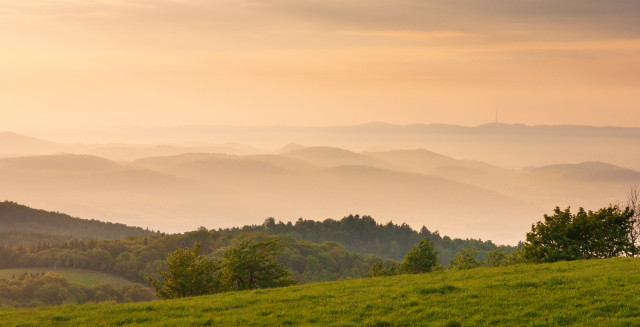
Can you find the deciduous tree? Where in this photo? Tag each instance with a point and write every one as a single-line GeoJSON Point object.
{"type": "Point", "coordinates": [251, 265]}
{"type": "Point", "coordinates": [188, 273]}
{"type": "Point", "coordinates": [422, 258]}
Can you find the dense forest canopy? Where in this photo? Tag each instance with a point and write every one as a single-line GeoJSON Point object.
{"type": "Point", "coordinates": [364, 235]}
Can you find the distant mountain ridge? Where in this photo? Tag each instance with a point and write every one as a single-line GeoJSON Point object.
{"type": "Point", "coordinates": [590, 170]}
{"type": "Point", "coordinates": [296, 134]}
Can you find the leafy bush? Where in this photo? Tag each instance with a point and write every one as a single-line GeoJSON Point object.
{"type": "Point", "coordinates": [585, 235]}
{"type": "Point", "coordinates": [466, 259]}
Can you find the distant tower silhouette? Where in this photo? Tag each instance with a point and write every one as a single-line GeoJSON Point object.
{"type": "Point", "coordinates": [496, 116]}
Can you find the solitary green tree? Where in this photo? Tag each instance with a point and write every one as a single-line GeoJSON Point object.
{"type": "Point", "coordinates": [188, 273]}
{"type": "Point", "coordinates": [422, 258]}
{"type": "Point", "coordinates": [252, 265]}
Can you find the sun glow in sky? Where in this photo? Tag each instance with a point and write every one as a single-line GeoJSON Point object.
{"type": "Point", "coordinates": [100, 63]}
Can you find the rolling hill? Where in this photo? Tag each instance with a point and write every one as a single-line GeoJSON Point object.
{"type": "Point", "coordinates": [16, 144]}
{"type": "Point", "coordinates": [578, 293]}
{"type": "Point", "coordinates": [586, 172]}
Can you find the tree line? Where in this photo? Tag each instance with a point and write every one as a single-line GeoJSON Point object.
{"type": "Point", "coordinates": [364, 235]}
{"type": "Point", "coordinates": [21, 225]}
{"type": "Point", "coordinates": [136, 257]}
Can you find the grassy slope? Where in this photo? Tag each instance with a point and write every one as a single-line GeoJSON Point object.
{"type": "Point", "coordinates": [584, 293]}
{"type": "Point", "coordinates": [82, 277]}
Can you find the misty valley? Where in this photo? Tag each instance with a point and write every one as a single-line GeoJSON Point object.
{"type": "Point", "coordinates": [176, 188]}
{"type": "Point", "coordinates": [207, 221]}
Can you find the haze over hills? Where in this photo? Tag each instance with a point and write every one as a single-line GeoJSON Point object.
{"type": "Point", "coordinates": [177, 189]}
{"type": "Point", "coordinates": [506, 145]}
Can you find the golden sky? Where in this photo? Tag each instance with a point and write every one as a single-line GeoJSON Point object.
{"type": "Point", "coordinates": [100, 63]}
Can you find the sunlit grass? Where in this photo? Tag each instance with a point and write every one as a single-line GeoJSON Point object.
{"type": "Point", "coordinates": [87, 278]}
{"type": "Point", "coordinates": [580, 293]}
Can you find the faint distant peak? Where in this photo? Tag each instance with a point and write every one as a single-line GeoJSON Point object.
{"type": "Point", "coordinates": [290, 147]}
{"type": "Point", "coordinates": [594, 171]}
{"type": "Point", "coordinates": [325, 150]}
{"type": "Point", "coordinates": [378, 124]}
{"type": "Point", "coordinates": [587, 165]}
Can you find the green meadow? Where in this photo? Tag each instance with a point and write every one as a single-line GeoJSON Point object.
{"type": "Point", "coordinates": [86, 278]}
{"type": "Point", "coordinates": [577, 293]}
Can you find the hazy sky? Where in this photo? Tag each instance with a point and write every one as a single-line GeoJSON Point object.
{"type": "Point", "coordinates": [99, 63]}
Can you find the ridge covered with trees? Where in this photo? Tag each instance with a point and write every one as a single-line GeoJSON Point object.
{"type": "Point", "coordinates": [364, 235]}
{"type": "Point", "coordinates": [19, 218]}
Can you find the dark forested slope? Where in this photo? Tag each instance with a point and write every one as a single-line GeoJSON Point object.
{"type": "Point", "coordinates": [22, 219]}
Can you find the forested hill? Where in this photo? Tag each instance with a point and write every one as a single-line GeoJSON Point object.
{"type": "Point", "coordinates": [22, 219]}
{"type": "Point", "coordinates": [364, 235]}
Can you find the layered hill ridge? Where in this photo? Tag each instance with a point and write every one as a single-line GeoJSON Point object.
{"type": "Point", "coordinates": [14, 144]}
{"type": "Point", "coordinates": [178, 192]}
{"type": "Point", "coordinates": [589, 171]}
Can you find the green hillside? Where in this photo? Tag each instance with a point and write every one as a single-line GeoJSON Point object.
{"type": "Point", "coordinates": [81, 277]}
{"type": "Point", "coordinates": [19, 218]}
{"type": "Point", "coordinates": [579, 293]}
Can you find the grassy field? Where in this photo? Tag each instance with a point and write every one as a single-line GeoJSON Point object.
{"type": "Point", "coordinates": [82, 277]}
{"type": "Point", "coordinates": [580, 293]}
